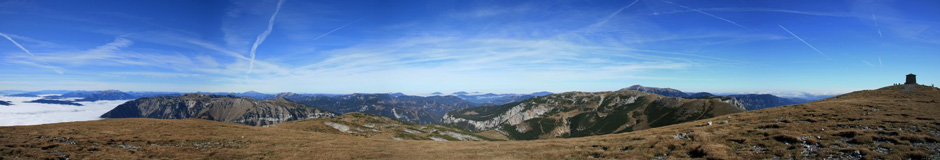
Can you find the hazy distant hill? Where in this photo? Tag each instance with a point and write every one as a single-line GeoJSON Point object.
{"type": "Point", "coordinates": [94, 95]}
{"type": "Point", "coordinates": [496, 99]}
{"type": "Point", "coordinates": [23, 95]}
{"type": "Point", "coordinates": [668, 92]}
{"type": "Point", "coordinates": [750, 101]}
{"type": "Point", "coordinates": [9, 92]}
{"type": "Point", "coordinates": [700, 95]}
{"type": "Point", "coordinates": [153, 94]}
{"type": "Point", "coordinates": [107, 95]}
{"type": "Point", "coordinates": [52, 101]}
{"type": "Point", "coordinates": [577, 114]}
{"type": "Point", "coordinates": [217, 108]}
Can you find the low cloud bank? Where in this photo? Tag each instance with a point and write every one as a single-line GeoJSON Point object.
{"type": "Point", "coordinates": [21, 113]}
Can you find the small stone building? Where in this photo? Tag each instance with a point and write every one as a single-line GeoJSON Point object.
{"type": "Point", "coordinates": [911, 79]}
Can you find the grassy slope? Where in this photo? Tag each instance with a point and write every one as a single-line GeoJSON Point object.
{"type": "Point", "coordinates": [580, 114]}
{"type": "Point", "coordinates": [886, 123]}
{"type": "Point", "coordinates": [375, 126]}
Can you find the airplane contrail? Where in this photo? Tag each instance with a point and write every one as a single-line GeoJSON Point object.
{"type": "Point", "coordinates": [17, 44]}
{"type": "Point", "coordinates": [616, 12]}
{"type": "Point", "coordinates": [711, 15]}
{"type": "Point", "coordinates": [262, 36]}
{"type": "Point", "coordinates": [876, 25]}
{"type": "Point", "coordinates": [804, 42]}
{"type": "Point", "coordinates": [763, 10]}
{"type": "Point", "coordinates": [869, 64]}
{"type": "Point", "coordinates": [334, 30]}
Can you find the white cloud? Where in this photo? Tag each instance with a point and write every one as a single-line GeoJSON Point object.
{"type": "Point", "coordinates": [512, 55]}
{"type": "Point", "coordinates": [37, 113]}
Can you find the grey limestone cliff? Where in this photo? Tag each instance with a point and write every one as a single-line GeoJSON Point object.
{"type": "Point", "coordinates": [217, 108]}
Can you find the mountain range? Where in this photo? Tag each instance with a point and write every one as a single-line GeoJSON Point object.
{"type": "Point", "coordinates": [578, 114]}
{"type": "Point", "coordinates": [217, 108]}
{"type": "Point", "coordinates": [894, 122]}
{"type": "Point", "coordinates": [489, 99]}
{"type": "Point", "coordinates": [414, 109]}
{"type": "Point", "coordinates": [53, 101]}
{"type": "Point", "coordinates": [23, 95]}
{"type": "Point", "coordinates": [750, 101]}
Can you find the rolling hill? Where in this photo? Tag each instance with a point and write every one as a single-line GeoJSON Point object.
{"type": "Point", "coordinates": [381, 127]}
{"type": "Point", "coordinates": [894, 122]}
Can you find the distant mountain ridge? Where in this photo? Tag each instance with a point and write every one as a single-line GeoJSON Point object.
{"type": "Point", "coordinates": [91, 96]}
{"type": "Point", "coordinates": [414, 109]}
{"type": "Point", "coordinates": [668, 92]}
{"type": "Point", "coordinates": [23, 95]}
{"type": "Point", "coordinates": [217, 108]}
{"type": "Point", "coordinates": [761, 101]}
{"type": "Point", "coordinates": [490, 99]}
{"type": "Point", "coordinates": [750, 101]}
{"type": "Point", "coordinates": [108, 95]}
{"type": "Point", "coordinates": [52, 101]}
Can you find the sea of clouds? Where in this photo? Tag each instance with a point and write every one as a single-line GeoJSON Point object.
{"type": "Point", "coordinates": [21, 113]}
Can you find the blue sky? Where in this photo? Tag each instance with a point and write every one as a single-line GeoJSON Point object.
{"type": "Point", "coordinates": [419, 47]}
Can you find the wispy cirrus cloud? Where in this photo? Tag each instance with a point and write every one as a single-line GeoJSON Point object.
{"type": "Point", "coordinates": [508, 46]}
{"type": "Point", "coordinates": [512, 53]}
{"type": "Point", "coordinates": [448, 61]}
{"type": "Point", "coordinates": [58, 70]}
{"type": "Point", "coordinates": [110, 54]}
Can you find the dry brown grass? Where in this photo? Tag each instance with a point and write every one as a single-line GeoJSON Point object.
{"type": "Point", "coordinates": [896, 122]}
